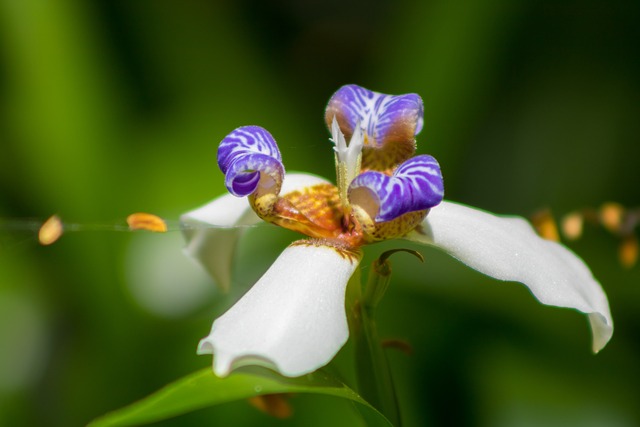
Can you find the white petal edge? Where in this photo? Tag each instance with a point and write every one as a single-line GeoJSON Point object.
{"type": "Point", "coordinates": [507, 248]}
{"type": "Point", "coordinates": [293, 319]}
{"type": "Point", "coordinates": [212, 231]}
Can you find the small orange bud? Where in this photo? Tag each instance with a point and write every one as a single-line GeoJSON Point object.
{"type": "Point", "coordinates": [611, 214]}
{"type": "Point", "coordinates": [275, 405]}
{"type": "Point", "coordinates": [145, 221]}
{"type": "Point", "coordinates": [50, 231]}
{"type": "Point", "coordinates": [628, 251]}
{"type": "Point", "coordinates": [398, 344]}
{"type": "Point", "coordinates": [572, 225]}
{"type": "Point", "coordinates": [545, 225]}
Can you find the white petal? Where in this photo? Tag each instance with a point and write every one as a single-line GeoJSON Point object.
{"type": "Point", "coordinates": [213, 230]}
{"type": "Point", "coordinates": [507, 248]}
{"type": "Point", "coordinates": [292, 319]}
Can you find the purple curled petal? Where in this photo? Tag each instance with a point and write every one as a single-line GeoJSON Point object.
{"type": "Point", "coordinates": [246, 139]}
{"type": "Point", "coordinates": [416, 185]}
{"type": "Point", "coordinates": [243, 174]}
{"type": "Point", "coordinates": [385, 118]}
{"type": "Point", "coordinates": [244, 154]}
{"type": "Point", "coordinates": [241, 183]}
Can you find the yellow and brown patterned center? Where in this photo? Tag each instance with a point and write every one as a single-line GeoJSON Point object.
{"type": "Point", "coordinates": [351, 254]}
{"type": "Point", "coordinates": [318, 213]}
{"type": "Point", "coordinates": [387, 157]}
{"type": "Point", "coordinates": [314, 211]}
{"type": "Point", "coordinates": [379, 231]}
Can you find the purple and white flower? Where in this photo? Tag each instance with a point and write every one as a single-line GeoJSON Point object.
{"type": "Point", "coordinates": [293, 319]}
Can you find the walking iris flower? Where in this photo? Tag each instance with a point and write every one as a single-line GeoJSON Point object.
{"type": "Point", "coordinates": [293, 319]}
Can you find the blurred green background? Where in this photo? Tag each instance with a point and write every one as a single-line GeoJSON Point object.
{"type": "Point", "coordinates": [113, 107]}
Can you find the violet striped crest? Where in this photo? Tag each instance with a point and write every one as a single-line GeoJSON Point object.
{"type": "Point", "coordinates": [246, 155]}
{"type": "Point", "coordinates": [415, 185]}
{"type": "Point", "coordinates": [384, 118]}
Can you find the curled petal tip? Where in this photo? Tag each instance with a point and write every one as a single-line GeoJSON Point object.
{"type": "Point", "coordinates": [249, 156]}
{"type": "Point", "coordinates": [205, 346]}
{"type": "Point", "coordinates": [415, 185]}
{"type": "Point", "coordinates": [384, 118]}
{"type": "Point", "coordinates": [221, 361]}
{"type": "Point", "coordinates": [222, 365]}
{"type": "Point", "coordinates": [601, 329]}
{"type": "Point", "coordinates": [572, 225]}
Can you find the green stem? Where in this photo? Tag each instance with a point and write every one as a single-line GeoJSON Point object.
{"type": "Point", "coordinates": [375, 382]}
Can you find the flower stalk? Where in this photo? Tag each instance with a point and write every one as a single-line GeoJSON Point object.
{"type": "Point", "coordinates": [374, 376]}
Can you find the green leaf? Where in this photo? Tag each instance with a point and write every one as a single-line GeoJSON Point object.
{"type": "Point", "coordinates": [203, 389]}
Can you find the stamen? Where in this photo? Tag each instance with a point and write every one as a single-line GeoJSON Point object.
{"type": "Point", "coordinates": [145, 221]}
{"type": "Point", "coordinates": [572, 225]}
{"type": "Point", "coordinates": [628, 251]}
{"type": "Point", "coordinates": [50, 231]}
{"type": "Point", "coordinates": [545, 225]}
{"type": "Point", "coordinates": [275, 405]}
{"type": "Point", "coordinates": [611, 215]}
{"type": "Point", "coordinates": [398, 344]}
{"type": "Point", "coordinates": [348, 158]}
